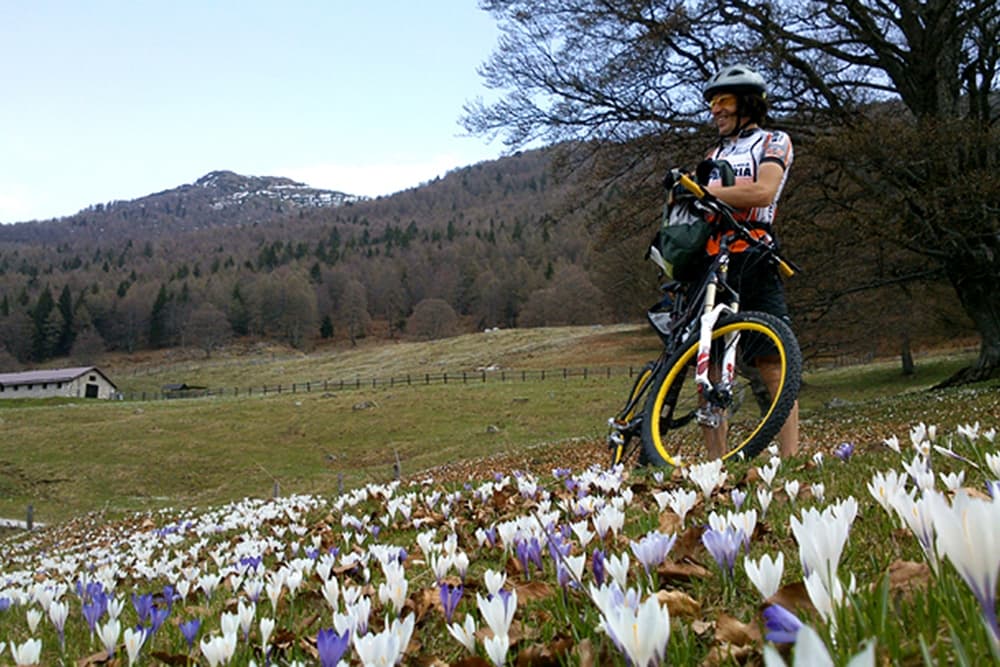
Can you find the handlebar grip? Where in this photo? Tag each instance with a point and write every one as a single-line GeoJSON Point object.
{"type": "Point", "coordinates": [785, 269]}
{"type": "Point", "coordinates": [691, 186]}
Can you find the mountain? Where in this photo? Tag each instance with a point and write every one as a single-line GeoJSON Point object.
{"type": "Point", "coordinates": [219, 198]}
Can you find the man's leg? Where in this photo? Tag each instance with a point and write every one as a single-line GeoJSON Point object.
{"type": "Point", "coordinates": [788, 436]}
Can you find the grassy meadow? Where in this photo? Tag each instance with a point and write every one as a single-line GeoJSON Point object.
{"type": "Point", "coordinates": [69, 457]}
{"type": "Point", "coordinates": [502, 544]}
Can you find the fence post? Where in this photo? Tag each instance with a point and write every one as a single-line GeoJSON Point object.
{"type": "Point", "coordinates": [397, 466]}
{"type": "Point", "coordinates": [277, 489]}
{"type": "Point", "coordinates": [340, 483]}
{"type": "Point", "coordinates": [30, 520]}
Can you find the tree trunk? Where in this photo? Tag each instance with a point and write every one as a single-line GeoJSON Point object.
{"type": "Point", "coordinates": [906, 356]}
{"type": "Point", "coordinates": [975, 279]}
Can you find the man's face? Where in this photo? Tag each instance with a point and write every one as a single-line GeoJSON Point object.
{"type": "Point", "coordinates": [723, 107]}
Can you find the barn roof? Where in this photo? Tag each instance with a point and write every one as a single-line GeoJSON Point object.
{"type": "Point", "coordinates": [49, 375]}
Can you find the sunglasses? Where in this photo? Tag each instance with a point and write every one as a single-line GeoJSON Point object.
{"type": "Point", "coordinates": [722, 99]}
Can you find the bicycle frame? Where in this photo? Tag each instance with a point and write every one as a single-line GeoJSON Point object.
{"type": "Point", "coordinates": [704, 307]}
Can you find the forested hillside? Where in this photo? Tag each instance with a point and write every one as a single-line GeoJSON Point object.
{"type": "Point", "coordinates": [485, 246]}
{"type": "Point", "coordinates": [520, 241]}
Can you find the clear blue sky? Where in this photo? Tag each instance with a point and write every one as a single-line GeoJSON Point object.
{"type": "Point", "coordinates": [106, 100]}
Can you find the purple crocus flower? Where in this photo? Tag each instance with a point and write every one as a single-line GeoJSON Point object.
{"type": "Point", "coordinates": [157, 616]}
{"type": "Point", "coordinates": [529, 552]}
{"type": "Point", "coordinates": [782, 625]}
{"type": "Point", "coordinates": [724, 546]}
{"type": "Point", "coordinates": [993, 488]}
{"type": "Point", "coordinates": [558, 547]}
{"type": "Point", "coordinates": [190, 631]}
{"type": "Point", "coordinates": [93, 610]}
{"type": "Point", "coordinates": [450, 595]}
{"type": "Point", "coordinates": [331, 646]}
{"type": "Point", "coordinates": [844, 451]}
{"type": "Point", "coordinates": [143, 605]}
{"type": "Point", "coordinates": [653, 549]}
{"type": "Point", "coordinates": [4, 604]}
{"type": "Point", "coordinates": [597, 565]}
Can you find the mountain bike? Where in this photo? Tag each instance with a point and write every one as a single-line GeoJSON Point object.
{"type": "Point", "coordinates": [705, 384]}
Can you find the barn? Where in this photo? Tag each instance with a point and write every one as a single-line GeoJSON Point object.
{"type": "Point", "coordinates": [80, 382]}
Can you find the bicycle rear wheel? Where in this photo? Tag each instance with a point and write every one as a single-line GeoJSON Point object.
{"type": "Point", "coordinates": [672, 433]}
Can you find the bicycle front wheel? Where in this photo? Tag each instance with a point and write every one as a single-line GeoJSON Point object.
{"type": "Point", "coordinates": [675, 429]}
{"type": "Point", "coordinates": [624, 441]}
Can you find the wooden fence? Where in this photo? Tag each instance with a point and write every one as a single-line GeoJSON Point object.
{"type": "Point", "coordinates": [408, 380]}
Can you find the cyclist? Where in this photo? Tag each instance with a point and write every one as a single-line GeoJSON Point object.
{"type": "Point", "coordinates": [760, 159]}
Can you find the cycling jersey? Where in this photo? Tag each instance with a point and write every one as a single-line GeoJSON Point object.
{"type": "Point", "coordinates": [746, 152]}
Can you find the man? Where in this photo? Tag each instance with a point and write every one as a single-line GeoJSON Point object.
{"type": "Point", "coordinates": [760, 159]}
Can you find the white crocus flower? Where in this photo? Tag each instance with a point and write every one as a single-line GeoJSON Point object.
{"type": "Point", "coordinates": [617, 567]}
{"type": "Point", "coordinates": [892, 443]}
{"type": "Point", "coordinates": [494, 581]}
{"type": "Point", "coordinates": [821, 537]}
{"type": "Point", "coordinates": [583, 533]}
{"type": "Point", "coordinates": [966, 535]}
{"type": "Point", "coordinates": [768, 472]}
{"type": "Point", "coordinates": [266, 628]}
{"type": "Point", "coordinates": [28, 653]}
{"type": "Point", "coordinates": [34, 617]}
{"type": "Point", "coordinates": [395, 586]}
{"type": "Point", "coordinates": [810, 651]}
{"type": "Point", "coordinates": [953, 481]}
{"type": "Point", "coordinates": [707, 476]}
{"type": "Point", "coordinates": [764, 497]}
{"type": "Point", "coordinates": [208, 583]}
{"type": "Point", "coordinates": [377, 650]}
{"type": "Point", "coordinates": [883, 486]}
{"type": "Point", "coordinates": [765, 574]}
{"type": "Point", "coordinates": [246, 613]}
{"type": "Point", "coordinates": [642, 633]}
{"type": "Point", "coordinates": [818, 490]}
{"type": "Point", "coordinates": [993, 462]}
{"type": "Point", "coordinates": [229, 623]}
{"type": "Point", "coordinates": [134, 640]}
{"type": "Point", "coordinates": [109, 633]}
{"type": "Point", "coordinates": [331, 592]}
{"type": "Point", "coordinates": [792, 489]}
{"type": "Point", "coordinates": [498, 611]}
{"type": "Point", "coordinates": [682, 502]}
{"type": "Point", "coordinates": [496, 648]}
{"type": "Point", "coordinates": [214, 649]}
{"type": "Point", "coordinates": [465, 633]}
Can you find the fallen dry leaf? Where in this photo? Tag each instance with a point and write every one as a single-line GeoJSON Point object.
{"type": "Point", "coordinates": [680, 604]}
{"type": "Point", "coordinates": [533, 590]}
{"type": "Point", "coordinates": [671, 572]}
{"type": "Point", "coordinates": [793, 597]}
{"type": "Point", "coordinates": [670, 522]}
{"type": "Point", "coordinates": [544, 655]}
{"type": "Point", "coordinates": [688, 544]}
{"type": "Point", "coordinates": [905, 576]}
{"type": "Point", "coordinates": [730, 630]}
{"type": "Point", "coordinates": [585, 653]}
{"type": "Point", "coordinates": [725, 654]}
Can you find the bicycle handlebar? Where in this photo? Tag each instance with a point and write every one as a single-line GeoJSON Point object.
{"type": "Point", "coordinates": [786, 268]}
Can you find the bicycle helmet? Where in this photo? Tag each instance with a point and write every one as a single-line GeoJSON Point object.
{"type": "Point", "coordinates": [739, 79]}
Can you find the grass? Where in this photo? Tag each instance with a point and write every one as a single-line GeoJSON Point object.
{"type": "Point", "coordinates": [77, 457]}
{"type": "Point", "coordinates": [70, 457]}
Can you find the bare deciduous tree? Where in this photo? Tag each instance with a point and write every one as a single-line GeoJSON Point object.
{"type": "Point", "coordinates": [607, 73]}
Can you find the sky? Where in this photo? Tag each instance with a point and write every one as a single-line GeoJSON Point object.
{"type": "Point", "coordinates": [108, 100]}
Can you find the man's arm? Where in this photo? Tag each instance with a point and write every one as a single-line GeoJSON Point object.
{"type": "Point", "coordinates": [753, 193]}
